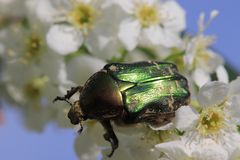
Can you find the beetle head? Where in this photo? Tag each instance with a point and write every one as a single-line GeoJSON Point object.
{"type": "Point", "coordinates": [75, 114]}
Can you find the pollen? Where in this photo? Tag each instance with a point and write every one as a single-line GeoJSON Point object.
{"type": "Point", "coordinates": [82, 16]}
{"type": "Point", "coordinates": [211, 121]}
{"type": "Point", "coordinates": [147, 15]}
{"type": "Point", "coordinates": [33, 88]}
{"type": "Point", "coordinates": [34, 45]}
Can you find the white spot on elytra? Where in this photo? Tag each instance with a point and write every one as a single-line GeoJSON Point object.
{"type": "Point", "coordinates": [113, 68]}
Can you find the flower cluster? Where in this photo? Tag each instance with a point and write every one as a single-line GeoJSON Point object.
{"type": "Point", "coordinates": [47, 46]}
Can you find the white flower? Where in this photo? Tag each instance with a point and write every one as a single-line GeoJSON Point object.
{"type": "Point", "coordinates": [34, 87]}
{"type": "Point", "coordinates": [158, 22]}
{"type": "Point", "coordinates": [200, 59]}
{"type": "Point", "coordinates": [30, 65]}
{"type": "Point", "coordinates": [74, 24]}
{"type": "Point", "coordinates": [198, 54]}
{"type": "Point", "coordinates": [219, 115]}
{"type": "Point", "coordinates": [27, 44]}
{"type": "Point", "coordinates": [103, 42]}
{"type": "Point", "coordinates": [206, 149]}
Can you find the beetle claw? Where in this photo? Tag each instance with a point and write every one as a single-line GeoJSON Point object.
{"type": "Point", "coordinates": [69, 94]}
{"type": "Point", "coordinates": [110, 136]}
{"type": "Point", "coordinates": [113, 143]}
{"type": "Point", "coordinates": [113, 140]}
{"type": "Point", "coordinates": [58, 99]}
{"type": "Point", "coordinates": [61, 99]}
{"type": "Point", "coordinates": [81, 128]}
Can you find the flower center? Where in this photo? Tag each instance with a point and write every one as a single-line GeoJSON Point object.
{"type": "Point", "coordinates": [211, 121]}
{"type": "Point", "coordinates": [82, 16]}
{"type": "Point", "coordinates": [34, 45]}
{"type": "Point", "coordinates": [147, 15]}
{"type": "Point", "coordinates": [33, 88]}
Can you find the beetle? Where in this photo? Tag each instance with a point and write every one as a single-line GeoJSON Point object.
{"type": "Point", "coordinates": [141, 92]}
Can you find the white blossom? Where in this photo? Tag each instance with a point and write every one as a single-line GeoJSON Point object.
{"type": "Point", "coordinates": [218, 118]}
{"type": "Point", "coordinates": [206, 149]}
{"type": "Point", "coordinates": [87, 34]}
{"type": "Point", "coordinates": [74, 24]}
{"type": "Point", "coordinates": [200, 59]}
{"type": "Point", "coordinates": [156, 22]}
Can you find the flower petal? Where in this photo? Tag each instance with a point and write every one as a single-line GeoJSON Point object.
{"type": "Point", "coordinates": [126, 5]}
{"type": "Point", "coordinates": [209, 150]}
{"type": "Point", "coordinates": [158, 35]}
{"type": "Point", "coordinates": [80, 68]}
{"type": "Point", "coordinates": [129, 33]}
{"type": "Point", "coordinates": [222, 74]}
{"type": "Point", "coordinates": [174, 15]}
{"type": "Point", "coordinates": [174, 150]}
{"type": "Point", "coordinates": [90, 150]}
{"type": "Point", "coordinates": [214, 60]}
{"type": "Point", "coordinates": [185, 119]}
{"type": "Point", "coordinates": [212, 94]}
{"type": "Point", "coordinates": [46, 12]}
{"type": "Point", "coordinates": [200, 77]}
{"type": "Point", "coordinates": [235, 154]}
{"type": "Point", "coordinates": [149, 2]}
{"type": "Point", "coordinates": [165, 127]}
{"type": "Point", "coordinates": [231, 141]}
{"type": "Point", "coordinates": [234, 87]}
{"type": "Point", "coordinates": [64, 39]}
{"type": "Point", "coordinates": [234, 109]}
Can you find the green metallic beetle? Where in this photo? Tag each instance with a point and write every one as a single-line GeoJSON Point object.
{"type": "Point", "coordinates": [131, 93]}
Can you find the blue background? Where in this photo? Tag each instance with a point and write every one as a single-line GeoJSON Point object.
{"type": "Point", "coordinates": [54, 143]}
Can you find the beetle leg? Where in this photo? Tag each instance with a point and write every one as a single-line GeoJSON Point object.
{"type": "Point", "coordinates": [110, 135]}
{"type": "Point", "coordinates": [81, 128]}
{"type": "Point", "coordinates": [69, 94]}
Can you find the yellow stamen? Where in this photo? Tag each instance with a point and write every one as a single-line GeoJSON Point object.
{"type": "Point", "coordinates": [82, 16]}
{"type": "Point", "coordinates": [211, 121]}
{"type": "Point", "coordinates": [147, 15]}
{"type": "Point", "coordinates": [34, 45]}
{"type": "Point", "coordinates": [33, 88]}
